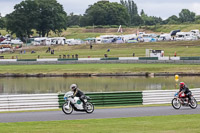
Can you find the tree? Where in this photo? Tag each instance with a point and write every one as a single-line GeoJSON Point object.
{"type": "Point", "coordinates": [150, 20]}
{"type": "Point", "coordinates": [73, 20]}
{"type": "Point", "coordinates": [23, 19]}
{"type": "Point", "coordinates": [42, 15]}
{"type": "Point", "coordinates": [106, 13]}
{"type": "Point", "coordinates": [197, 19]}
{"type": "Point", "coordinates": [2, 22]}
{"type": "Point", "coordinates": [172, 20]}
{"type": "Point", "coordinates": [51, 17]}
{"type": "Point", "coordinates": [186, 16]}
{"type": "Point", "coordinates": [142, 12]}
{"type": "Point", "coordinates": [132, 9]}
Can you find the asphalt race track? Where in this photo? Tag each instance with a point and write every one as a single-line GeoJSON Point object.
{"type": "Point", "coordinates": [97, 114]}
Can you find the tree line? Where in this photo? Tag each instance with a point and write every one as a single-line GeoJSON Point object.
{"type": "Point", "coordinates": [126, 13]}
{"type": "Point", "coordinates": [44, 16]}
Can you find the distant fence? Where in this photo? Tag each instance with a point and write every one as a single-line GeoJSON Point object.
{"type": "Point", "coordinates": [54, 101]}
{"type": "Point", "coordinates": [120, 60]}
{"type": "Point", "coordinates": [104, 60]}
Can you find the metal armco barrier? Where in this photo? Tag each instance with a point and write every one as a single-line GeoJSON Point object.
{"type": "Point", "coordinates": [54, 101]}
{"type": "Point", "coordinates": [112, 98]}
{"type": "Point", "coordinates": [28, 102]}
{"type": "Point", "coordinates": [164, 96]}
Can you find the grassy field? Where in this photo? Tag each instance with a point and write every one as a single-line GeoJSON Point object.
{"type": "Point", "coordinates": [168, 28]}
{"type": "Point", "coordinates": [156, 124]}
{"type": "Point", "coordinates": [183, 48]}
{"type": "Point", "coordinates": [99, 68]}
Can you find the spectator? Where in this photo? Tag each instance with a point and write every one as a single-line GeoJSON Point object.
{"type": "Point", "coordinates": [91, 46]}
{"type": "Point", "coordinates": [32, 52]}
{"type": "Point", "coordinates": [105, 55]}
{"type": "Point", "coordinates": [76, 56]}
{"type": "Point", "coordinates": [49, 49]}
{"type": "Point", "coordinates": [52, 51]}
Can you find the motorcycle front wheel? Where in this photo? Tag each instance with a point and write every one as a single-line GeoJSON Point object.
{"type": "Point", "coordinates": [67, 110]}
{"type": "Point", "coordinates": [176, 103]}
{"type": "Point", "coordinates": [89, 108]}
{"type": "Point", "coordinates": [193, 103]}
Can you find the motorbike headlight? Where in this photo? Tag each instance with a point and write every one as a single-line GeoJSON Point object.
{"type": "Point", "coordinates": [65, 98]}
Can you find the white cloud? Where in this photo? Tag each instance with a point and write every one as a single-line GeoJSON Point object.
{"type": "Point", "coordinates": [195, 8]}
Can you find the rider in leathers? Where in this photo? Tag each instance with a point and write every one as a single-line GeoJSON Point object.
{"type": "Point", "coordinates": [184, 89]}
{"type": "Point", "coordinates": [78, 93]}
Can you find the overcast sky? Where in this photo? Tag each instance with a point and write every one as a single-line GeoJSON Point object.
{"type": "Point", "coordinates": [159, 8]}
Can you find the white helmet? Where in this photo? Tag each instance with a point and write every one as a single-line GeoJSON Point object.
{"type": "Point", "coordinates": [73, 87]}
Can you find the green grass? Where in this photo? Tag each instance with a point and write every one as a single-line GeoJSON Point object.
{"type": "Point", "coordinates": [183, 48]}
{"type": "Point", "coordinates": [168, 28]}
{"type": "Point", "coordinates": [99, 68]}
{"type": "Point", "coordinates": [155, 124]}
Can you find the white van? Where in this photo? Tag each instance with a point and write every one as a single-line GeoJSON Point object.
{"type": "Point", "coordinates": [107, 38]}
{"type": "Point", "coordinates": [165, 37]}
{"type": "Point", "coordinates": [42, 41]}
{"type": "Point", "coordinates": [58, 41]}
{"type": "Point", "coordinates": [195, 33]}
{"type": "Point", "coordinates": [98, 40]}
{"type": "Point", "coordinates": [74, 41]}
{"type": "Point", "coordinates": [185, 36]}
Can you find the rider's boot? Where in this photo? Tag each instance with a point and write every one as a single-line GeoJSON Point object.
{"type": "Point", "coordinates": [84, 106]}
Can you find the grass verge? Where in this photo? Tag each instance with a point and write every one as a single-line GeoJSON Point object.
{"type": "Point", "coordinates": [99, 68]}
{"type": "Point", "coordinates": [155, 124]}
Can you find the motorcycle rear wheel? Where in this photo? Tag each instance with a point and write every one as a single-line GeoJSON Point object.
{"type": "Point", "coordinates": [176, 103]}
{"type": "Point", "coordinates": [89, 108]}
{"type": "Point", "coordinates": [193, 103]}
{"type": "Point", "coordinates": [65, 110]}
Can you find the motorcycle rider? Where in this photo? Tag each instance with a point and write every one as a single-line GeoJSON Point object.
{"type": "Point", "coordinates": [184, 89]}
{"type": "Point", "coordinates": [78, 93]}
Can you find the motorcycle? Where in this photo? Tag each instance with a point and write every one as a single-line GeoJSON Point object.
{"type": "Point", "coordinates": [182, 100]}
{"type": "Point", "coordinates": [74, 103]}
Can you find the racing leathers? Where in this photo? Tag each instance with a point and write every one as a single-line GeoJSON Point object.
{"type": "Point", "coordinates": [187, 92]}
{"type": "Point", "coordinates": [81, 95]}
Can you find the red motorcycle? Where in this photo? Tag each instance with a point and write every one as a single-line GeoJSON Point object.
{"type": "Point", "coordinates": [182, 100]}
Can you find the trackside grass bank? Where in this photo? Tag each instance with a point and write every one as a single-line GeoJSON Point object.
{"type": "Point", "coordinates": [99, 68]}
{"type": "Point", "coordinates": [155, 124]}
